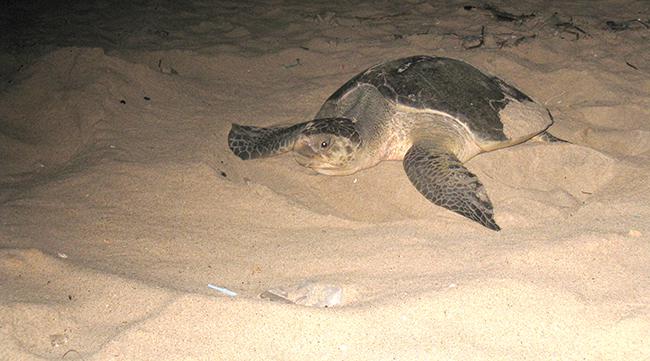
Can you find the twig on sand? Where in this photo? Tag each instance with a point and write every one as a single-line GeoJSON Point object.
{"type": "Point", "coordinates": [512, 40]}
{"type": "Point", "coordinates": [571, 28]}
{"type": "Point", "coordinates": [500, 15]}
{"type": "Point", "coordinates": [631, 65]}
{"type": "Point", "coordinates": [380, 17]}
{"type": "Point", "coordinates": [626, 24]}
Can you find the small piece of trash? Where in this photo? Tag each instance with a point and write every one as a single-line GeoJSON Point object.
{"type": "Point", "coordinates": [452, 285]}
{"type": "Point", "coordinates": [276, 295]}
{"type": "Point", "coordinates": [58, 339]}
{"type": "Point", "coordinates": [62, 255]}
{"type": "Point", "coordinates": [307, 293]}
{"type": "Point", "coordinates": [634, 233]}
{"type": "Point", "coordinates": [355, 181]}
{"type": "Point", "coordinates": [223, 290]}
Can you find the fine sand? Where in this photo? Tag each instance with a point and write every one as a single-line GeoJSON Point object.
{"type": "Point", "coordinates": [120, 201]}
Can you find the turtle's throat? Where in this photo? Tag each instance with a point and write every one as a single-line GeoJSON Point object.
{"type": "Point", "coordinates": [319, 164]}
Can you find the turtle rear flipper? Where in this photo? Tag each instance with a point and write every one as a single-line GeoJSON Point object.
{"type": "Point", "coordinates": [443, 180]}
{"type": "Point", "coordinates": [248, 142]}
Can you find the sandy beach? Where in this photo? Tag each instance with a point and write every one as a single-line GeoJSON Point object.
{"type": "Point", "coordinates": [120, 201]}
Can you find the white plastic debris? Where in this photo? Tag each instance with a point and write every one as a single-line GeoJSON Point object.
{"type": "Point", "coordinates": [223, 290]}
{"type": "Point", "coordinates": [306, 293]}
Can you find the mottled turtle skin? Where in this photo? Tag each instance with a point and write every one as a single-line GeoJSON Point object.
{"type": "Point", "coordinates": [432, 113]}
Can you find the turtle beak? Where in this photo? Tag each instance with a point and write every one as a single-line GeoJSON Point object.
{"type": "Point", "coordinates": [304, 154]}
{"type": "Point", "coordinates": [303, 148]}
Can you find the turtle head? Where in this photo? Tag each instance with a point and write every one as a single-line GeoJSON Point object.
{"type": "Point", "coordinates": [329, 146]}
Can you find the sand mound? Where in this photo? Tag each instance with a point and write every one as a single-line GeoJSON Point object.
{"type": "Point", "coordinates": [120, 201]}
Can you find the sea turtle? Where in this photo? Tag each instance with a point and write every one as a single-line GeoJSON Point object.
{"type": "Point", "coordinates": [433, 113]}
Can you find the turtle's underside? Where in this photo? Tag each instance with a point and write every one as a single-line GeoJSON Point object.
{"type": "Point", "coordinates": [432, 113]}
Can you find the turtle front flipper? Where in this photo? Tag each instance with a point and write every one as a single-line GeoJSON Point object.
{"type": "Point", "coordinates": [443, 180]}
{"type": "Point", "coordinates": [248, 142]}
